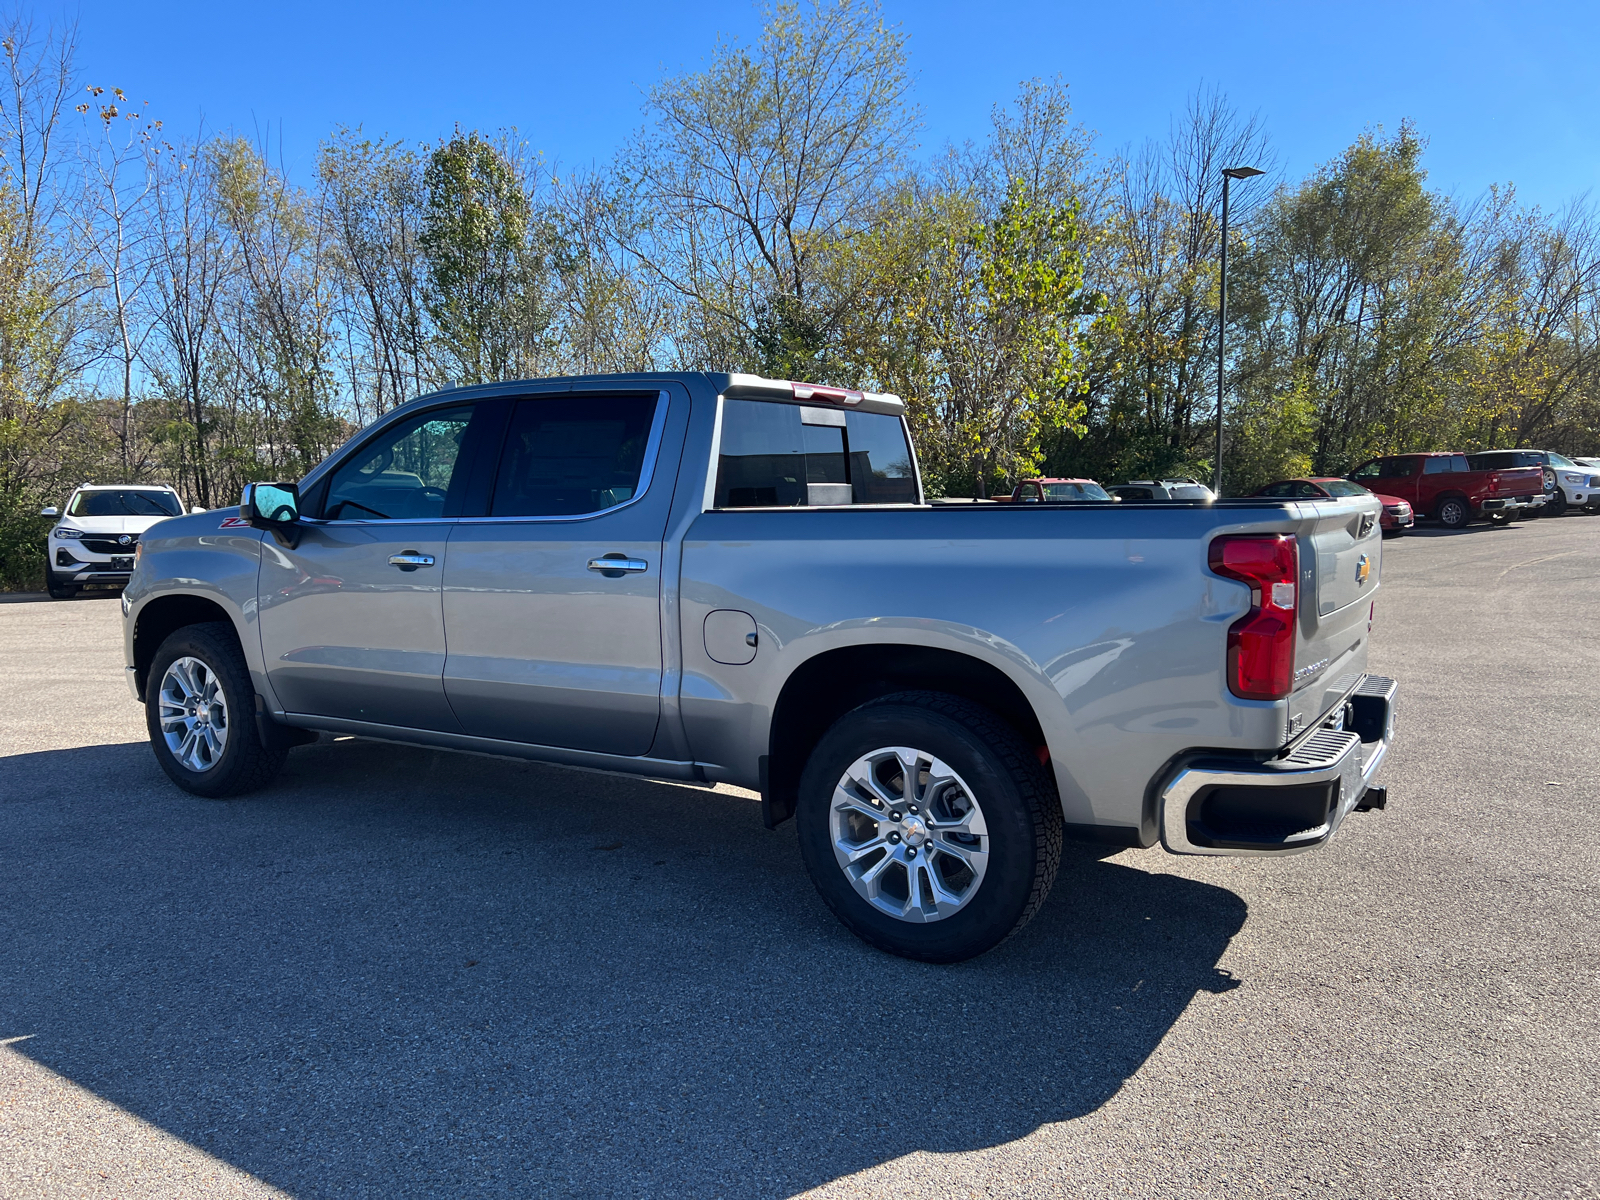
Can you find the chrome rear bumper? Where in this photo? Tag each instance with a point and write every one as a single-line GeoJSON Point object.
{"type": "Point", "coordinates": [1286, 805]}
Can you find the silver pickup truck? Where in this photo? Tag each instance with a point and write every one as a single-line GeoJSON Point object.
{"type": "Point", "coordinates": [718, 577]}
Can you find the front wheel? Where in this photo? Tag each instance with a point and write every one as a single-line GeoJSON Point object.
{"type": "Point", "coordinates": [1556, 506]}
{"type": "Point", "coordinates": [200, 711]}
{"type": "Point", "coordinates": [1454, 512]}
{"type": "Point", "coordinates": [928, 826]}
{"type": "Point", "coordinates": [57, 589]}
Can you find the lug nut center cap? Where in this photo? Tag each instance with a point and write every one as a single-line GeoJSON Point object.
{"type": "Point", "coordinates": [915, 832]}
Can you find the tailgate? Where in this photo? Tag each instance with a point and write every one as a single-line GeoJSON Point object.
{"type": "Point", "coordinates": [1517, 481]}
{"type": "Point", "coordinates": [1340, 560]}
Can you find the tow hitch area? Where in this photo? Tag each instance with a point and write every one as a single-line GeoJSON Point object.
{"type": "Point", "coordinates": [1286, 805]}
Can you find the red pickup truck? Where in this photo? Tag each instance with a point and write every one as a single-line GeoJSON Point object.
{"type": "Point", "coordinates": [1055, 491]}
{"type": "Point", "coordinates": [1445, 487]}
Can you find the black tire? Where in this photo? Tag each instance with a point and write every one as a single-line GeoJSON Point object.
{"type": "Point", "coordinates": [1556, 506]}
{"type": "Point", "coordinates": [1016, 795]}
{"type": "Point", "coordinates": [58, 590]}
{"type": "Point", "coordinates": [1454, 512]}
{"type": "Point", "coordinates": [245, 764]}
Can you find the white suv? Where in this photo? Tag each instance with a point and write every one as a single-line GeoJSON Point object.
{"type": "Point", "coordinates": [1186, 488]}
{"type": "Point", "coordinates": [98, 534]}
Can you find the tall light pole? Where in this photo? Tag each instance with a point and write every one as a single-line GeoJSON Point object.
{"type": "Point", "coordinates": [1229, 174]}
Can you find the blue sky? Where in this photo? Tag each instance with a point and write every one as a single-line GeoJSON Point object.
{"type": "Point", "coordinates": [1504, 92]}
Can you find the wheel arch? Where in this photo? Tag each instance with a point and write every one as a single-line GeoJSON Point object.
{"type": "Point", "coordinates": [833, 682]}
{"type": "Point", "coordinates": [162, 616]}
{"type": "Point", "coordinates": [1438, 502]}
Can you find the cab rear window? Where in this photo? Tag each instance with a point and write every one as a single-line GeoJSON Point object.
{"type": "Point", "coordinates": [776, 455]}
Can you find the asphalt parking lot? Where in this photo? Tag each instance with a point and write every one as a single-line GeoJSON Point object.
{"type": "Point", "coordinates": [408, 973]}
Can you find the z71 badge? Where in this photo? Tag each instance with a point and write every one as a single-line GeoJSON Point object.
{"type": "Point", "coordinates": [233, 523]}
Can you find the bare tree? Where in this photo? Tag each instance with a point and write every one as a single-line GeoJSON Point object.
{"type": "Point", "coordinates": [119, 176]}
{"type": "Point", "coordinates": [749, 169]}
{"type": "Point", "coordinates": [195, 261]}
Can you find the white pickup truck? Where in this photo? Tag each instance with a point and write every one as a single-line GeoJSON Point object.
{"type": "Point", "coordinates": [728, 578]}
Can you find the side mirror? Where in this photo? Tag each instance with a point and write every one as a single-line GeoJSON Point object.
{"type": "Point", "coordinates": [274, 507]}
{"type": "Point", "coordinates": [50, 512]}
{"type": "Point", "coordinates": [198, 509]}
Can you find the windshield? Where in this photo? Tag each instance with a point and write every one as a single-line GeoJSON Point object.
{"type": "Point", "coordinates": [126, 502]}
{"type": "Point", "coordinates": [1339, 487]}
{"type": "Point", "coordinates": [1560, 460]}
{"type": "Point", "coordinates": [1074, 491]}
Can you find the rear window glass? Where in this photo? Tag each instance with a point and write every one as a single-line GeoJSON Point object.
{"type": "Point", "coordinates": [130, 502]}
{"type": "Point", "coordinates": [1133, 493]}
{"type": "Point", "coordinates": [776, 455]}
{"type": "Point", "coordinates": [569, 455]}
{"type": "Point", "coordinates": [1501, 460]}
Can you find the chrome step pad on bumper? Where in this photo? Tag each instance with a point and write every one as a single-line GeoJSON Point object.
{"type": "Point", "coordinates": [1286, 805]}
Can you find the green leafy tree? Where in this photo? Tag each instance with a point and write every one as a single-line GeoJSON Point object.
{"type": "Point", "coordinates": [485, 249]}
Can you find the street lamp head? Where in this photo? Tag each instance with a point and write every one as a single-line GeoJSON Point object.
{"type": "Point", "coordinates": [1242, 172]}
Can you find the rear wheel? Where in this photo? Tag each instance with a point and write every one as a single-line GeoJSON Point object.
{"type": "Point", "coordinates": [1454, 512]}
{"type": "Point", "coordinates": [200, 711]}
{"type": "Point", "coordinates": [928, 826]}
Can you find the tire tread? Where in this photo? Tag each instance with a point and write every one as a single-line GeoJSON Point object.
{"type": "Point", "coordinates": [1036, 788]}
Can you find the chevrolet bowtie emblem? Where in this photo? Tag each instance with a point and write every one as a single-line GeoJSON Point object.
{"type": "Point", "coordinates": [1363, 568]}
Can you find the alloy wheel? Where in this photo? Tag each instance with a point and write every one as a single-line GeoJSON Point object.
{"type": "Point", "coordinates": [193, 712]}
{"type": "Point", "coordinates": [908, 834]}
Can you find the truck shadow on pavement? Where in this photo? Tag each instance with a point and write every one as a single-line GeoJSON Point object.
{"type": "Point", "coordinates": [401, 972]}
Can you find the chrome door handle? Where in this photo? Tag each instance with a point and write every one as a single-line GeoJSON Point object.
{"type": "Point", "coordinates": [410, 560]}
{"type": "Point", "coordinates": [618, 565]}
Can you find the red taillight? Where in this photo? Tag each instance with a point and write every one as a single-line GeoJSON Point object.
{"type": "Point", "coordinates": [1261, 643]}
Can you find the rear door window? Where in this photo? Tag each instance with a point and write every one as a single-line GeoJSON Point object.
{"type": "Point", "coordinates": [572, 455]}
{"type": "Point", "coordinates": [776, 455]}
